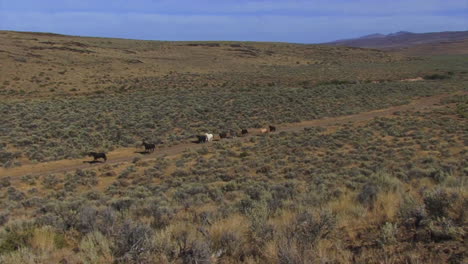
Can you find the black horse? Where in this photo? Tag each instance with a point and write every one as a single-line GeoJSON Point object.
{"type": "Point", "coordinates": [272, 128]}
{"type": "Point", "coordinates": [98, 155]}
{"type": "Point", "coordinates": [149, 147]}
{"type": "Point", "coordinates": [244, 131]}
{"type": "Point", "coordinates": [202, 139]}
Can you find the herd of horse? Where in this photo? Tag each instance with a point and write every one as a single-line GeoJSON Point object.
{"type": "Point", "coordinates": [150, 147]}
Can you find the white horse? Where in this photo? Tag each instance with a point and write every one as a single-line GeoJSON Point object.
{"type": "Point", "coordinates": [209, 137]}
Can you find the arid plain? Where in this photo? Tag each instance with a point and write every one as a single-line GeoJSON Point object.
{"type": "Point", "coordinates": [368, 163]}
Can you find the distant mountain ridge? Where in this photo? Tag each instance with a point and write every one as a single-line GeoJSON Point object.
{"type": "Point", "coordinates": [401, 39]}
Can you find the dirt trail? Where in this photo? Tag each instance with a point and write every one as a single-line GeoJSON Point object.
{"type": "Point", "coordinates": [128, 154]}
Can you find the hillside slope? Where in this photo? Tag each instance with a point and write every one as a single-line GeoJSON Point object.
{"type": "Point", "coordinates": [402, 40]}
{"type": "Point", "coordinates": [48, 64]}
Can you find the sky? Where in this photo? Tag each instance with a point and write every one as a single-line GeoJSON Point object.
{"type": "Point", "coordinates": [299, 21]}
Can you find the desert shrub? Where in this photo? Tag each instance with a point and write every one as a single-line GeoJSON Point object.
{"type": "Point", "coordinates": [139, 192]}
{"type": "Point", "coordinates": [49, 219]}
{"type": "Point", "coordinates": [80, 177]}
{"type": "Point", "coordinates": [230, 243]}
{"type": "Point", "coordinates": [7, 158]}
{"type": "Point", "coordinates": [309, 228]}
{"type": "Point", "coordinates": [33, 202]}
{"type": "Point", "coordinates": [164, 245]}
{"type": "Point", "coordinates": [29, 179]}
{"type": "Point", "coordinates": [438, 202]}
{"type": "Point", "coordinates": [412, 212]}
{"type": "Point", "coordinates": [280, 193]}
{"type": "Point", "coordinates": [462, 110]}
{"type": "Point", "coordinates": [86, 219]}
{"type": "Point", "coordinates": [215, 194]}
{"type": "Point", "coordinates": [439, 175]}
{"type": "Point", "coordinates": [50, 181]}
{"type": "Point", "coordinates": [136, 160]}
{"type": "Point", "coordinates": [385, 182]}
{"type": "Point", "coordinates": [63, 215]}
{"type": "Point", "coordinates": [15, 236]}
{"type": "Point", "coordinates": [417, 172]}
{"type": "Point", "coordinates": [255, 192]}
{"type": "Point", "coordinates": [288, 253]}
{"type": "Point", "coordinates": [107, 221]}
{"type": "Point", "coordinates": [230, 187]}
{"type": "Point", "coordinates": [190, 193]}
{"type": "Point", "coordinates": [196, 252]}
{"type": "Point", "coordinates": [443, 228]}
{"type": "Point", "coordinates": [245, 205]}
{"type": "Point", "coordinates": [15, 195]}
{"type": "Point", "coordinates": [132, 243]}
{"type": "Point", "coordinates": [162, 215]}
{"type": "Point", "coordinates": [4, 216]}
{"type": "Point", "coordinates": [5, 182]}
{"type": "Point", "coordinates": [60, 241]}
{"type": "Point", "coordinates": [125, 173]}
{"type": "Point", "coordinates": [22, 255]}
{"type": "Point", "coordinates": [122, 204]}
{"type": "Point", "coordinates": [192, 250]}
{"type": "Point", "coordinates": [260, 230]}
{"type": "Point", "coordinates": [368, 195]}
{"type": "Point", "coordinates": [94, 195]}
{"type": "Point", "coordinates": [388, 233]}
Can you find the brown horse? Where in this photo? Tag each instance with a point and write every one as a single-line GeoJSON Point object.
{"type": "Point", "coordinates": [149, 147]}
{"type": "Point", "coordinates": [98, 155]}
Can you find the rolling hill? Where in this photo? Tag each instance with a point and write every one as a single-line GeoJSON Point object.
{"type": "Point", "coordinates": [413, 43]}
{"type": "Point", "coordinates": [49, 64]}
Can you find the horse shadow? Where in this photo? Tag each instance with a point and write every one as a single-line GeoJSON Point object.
{"type": "Point", "coordinates": [93, 161]}
{"type": "Point", "coordinates": [143, 152]}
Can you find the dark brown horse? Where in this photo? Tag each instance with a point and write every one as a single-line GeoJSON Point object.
{"type": "Point", "coordinates": [272, 128]}
{"type": "Point", "coordinates": [149, 147]}
{"type": "Point", "coordinates": [202, 138]}
{"type": "Point", "coordinates": [98, 155]}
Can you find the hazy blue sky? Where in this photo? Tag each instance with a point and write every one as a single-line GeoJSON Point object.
{"type": "Point", "coordinates": [306, 21]}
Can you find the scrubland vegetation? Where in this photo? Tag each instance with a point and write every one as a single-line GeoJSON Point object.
{"type": "Point", "coordinates": [388, 190]}
{"type": "Point", "coordinates": [50, 129]}
{"type": "Point", "coordinates": [63, 96]}
{"type": "Point", "coordinates": [391, 190]}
